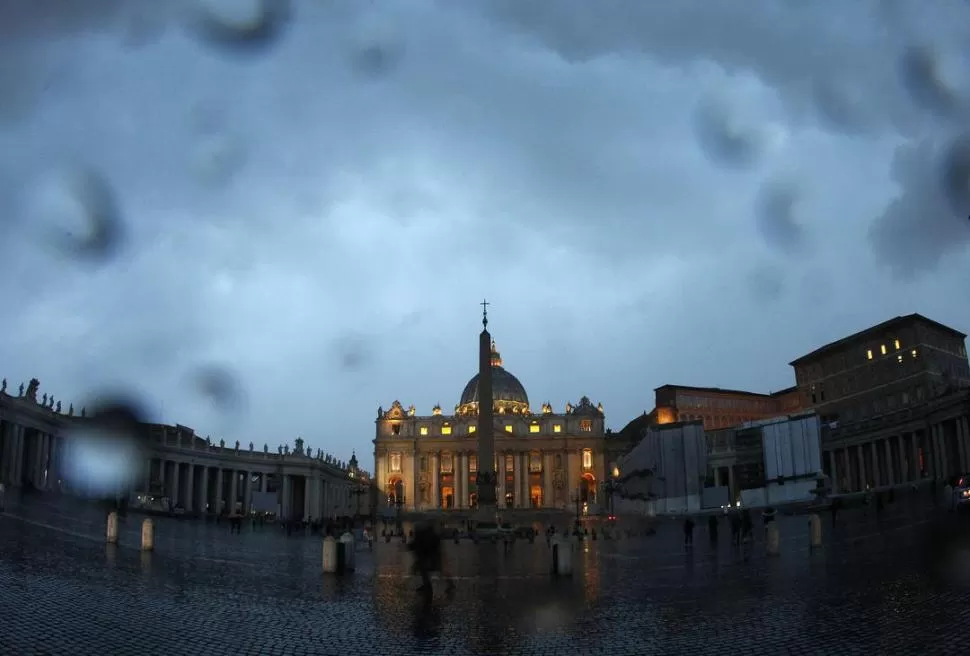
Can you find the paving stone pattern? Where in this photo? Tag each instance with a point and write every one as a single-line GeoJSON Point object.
{"type": "Point", "coordinates": [877, 587]}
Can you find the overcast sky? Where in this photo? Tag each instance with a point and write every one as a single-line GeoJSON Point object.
{"type": "Point", "coordinates": [689, 192]}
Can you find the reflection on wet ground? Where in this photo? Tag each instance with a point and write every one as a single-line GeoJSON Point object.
{"type": "Point", "coordinates": [870, 589]}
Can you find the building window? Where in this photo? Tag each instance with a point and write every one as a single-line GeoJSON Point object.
{"type": "Point", "coordinates": [899, 358]}
{"type": "Point", "coordinates": [446, 430]}
{"type": "Point", "coordinates": [914, 353]}
{"type": "Point", "coordinates": [919, 393]}
{"type": "Point", "coordinates": [905, 398]}
{"type": "Point", "coordinates": [535, 463]}
{"type": "Point", "coordinates": [396, 429]}
{"type": "Point", "coordinates": [533, 428]}
{"type": "Point", "coordinates": [472, 463]}
{"type": "Point", "coordinates": [587, 458]}
{"type": "Point", "coordinates": [395, 462]}
{"type": "Point", "coordinates": [424, 430]}
{"type": "Point", "coordinates": [446, 463]}
{"type": "Point", "coordinates": [897, 344]}
{"type": "Point", "coordinates": [586, 425]}
{"type": "Point", "coordinates": [472, 429]}
{"type": "Point", "coordinates": [509, 463]}
{"type": "Point", "coordinates": [869, 354]}
{"type": "Point", "coordinates": [557, 428]}
{"type": "Point", "coordinates": [882, 349]}
{"type": "Point", "coordinates": [508, 428]}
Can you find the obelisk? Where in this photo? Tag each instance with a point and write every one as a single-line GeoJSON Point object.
{"type": "Point", "coordinates": [486, 479]}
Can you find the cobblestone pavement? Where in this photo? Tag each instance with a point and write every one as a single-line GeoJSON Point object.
{"type": "Point", "coordinates": [877, 587]}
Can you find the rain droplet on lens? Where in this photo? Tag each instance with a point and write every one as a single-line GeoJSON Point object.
{"type": "Point", "coordinates": [920, 72]}
{"type": "Point", "coordinates": [76, 211]}
{"type": "Point", "coordinates": [241, 26]}
{"type": "Point", "coordinates": [219, 386]}
{"type": "Point", "coordinates": [217, 158]}
{"type": "Point", "coordinates": [775, 218]}
{"type": "Point", "coordinates": [353, 352]}
{"type": "Point", "coordinates": [955, 175]}
{"type": "Point", "coordinates": [725, 140]}
{"type": "Point", "coordinates": [105, 452]}
{"type": "Point", "coordinates": [376, 46]}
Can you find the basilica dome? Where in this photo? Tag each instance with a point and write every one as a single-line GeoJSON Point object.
{"type": "Point", "coordinates": [508, 394]}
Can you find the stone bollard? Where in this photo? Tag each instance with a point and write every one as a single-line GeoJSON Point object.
{"type": "Point", "coordinates": [345, 553]}
{"type": "Point", "coordinates": [773, 540]}
{"type": "Point", "coordinates": [815, 530]}
{"type": "Point", "coordinates": [147, 534]}
{"type": "Point", "coordinates": [562, 557]}
{"type": "Point", "coordinates": [112, 530]}
{"type": "Point", "coordinates": [329, 555]}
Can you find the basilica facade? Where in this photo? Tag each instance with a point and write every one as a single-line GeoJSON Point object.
{"type": "Point", "coordinates": [543, 459]}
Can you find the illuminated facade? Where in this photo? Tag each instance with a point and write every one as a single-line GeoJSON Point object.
{"type": "Point", "coordinates": [543, 460]}
{"type": "Point", "coordinates": [721, 408]}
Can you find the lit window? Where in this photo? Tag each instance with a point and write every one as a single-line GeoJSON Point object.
{"type": "Point", "coordinates": [899, 358]}
{"type": "Point", "coordinates": [535, 462]}
{"type": "Point", "coordinates": [472, 429]}
{"type": "Point", "coordinates": [509, 463]}
{"type": "Point", "coordinates": [586, 425]}
{"type": "Point", "coordinates": [557, 428]}
{"type": "Point", "coordinates": [896, 344]}
{"type": "Point", "coordinates": [882, 349]}
{"type": "Point", "coordinates": [446, 463]}
{"type": "Point", "coordinates": [472, 463]}
{"type": "Point", "coordinates": [587, 458]}
{"type": "Point", "coordinates": [914, 353]}
{"type": "Point", "coordinates": [446, 430]}
{"type": "Point", "coordinates": [869, 354]}
{"type": "Point", "coordinates": [395, 462]}
{"type": "Point", "coordinates": [424, 430]}
{"type": "Point", "coordinates": [534, 428]}
{"type": "Point", "coordinates": [508, 428]}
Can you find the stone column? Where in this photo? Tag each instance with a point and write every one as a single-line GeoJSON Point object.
{"type": "Point", "coordinates": [526, 492]}
{"type": "Point", "coordinates": [874, 457]}
{"type": "Point", "coordinates": [306, 497]}
{"type": "Point", "coordinates": [516, 481]}
{"type": "Point", "coordinates": [861, 466]}
{"type": "Point", "coordinates": [174, 491]}
{"type": "Point", "coordinates": [190, 488]}
{"type": "Point", "coordinates": [548, 496]}
{"type": "Point", "coordinates": [287, 493]}
{"type": "Point", "coordinates": [915, 465]}
{"type": "Point", "coordinates": [888, 452]}
{"type": "Point", "coordinates": [204, 492]}
{"type": "Point", "coordinates": [435, 480]}
{"type": "Point", "coordinates": [219, 486]}
{"type": "Point", "coordinates": [905, 473]}
{"type": "Point", "coordinates": [233, 490]}
{"type": "Point", "coordinates": [459, 480]}
{"type": "Point", "coordinates": [247, 492]}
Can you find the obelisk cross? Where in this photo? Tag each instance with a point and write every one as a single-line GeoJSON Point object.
{"type": "Point", "coordinates": [485, 305]}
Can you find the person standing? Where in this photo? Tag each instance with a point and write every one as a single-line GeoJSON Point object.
{"type": "Point", "coordinates": [688, 532]}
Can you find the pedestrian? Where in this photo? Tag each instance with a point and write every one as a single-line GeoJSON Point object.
{"type": "Point", "coordinates": [736, 528]}
{"type": "Point", "coordinates": [428, 557]}
{"type": "Point", "coordinates": [688, 532]}
{"type": "Point", "coordinates": [835, 506]}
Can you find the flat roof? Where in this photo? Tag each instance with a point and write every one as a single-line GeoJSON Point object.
{"type": "Point", "coordinates": [721, 390]}
{"type": "Point", "coordinates": [895, 322]}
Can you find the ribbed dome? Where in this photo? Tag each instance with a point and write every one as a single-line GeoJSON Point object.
{"type": "Point", "coordinates": [507, 391]}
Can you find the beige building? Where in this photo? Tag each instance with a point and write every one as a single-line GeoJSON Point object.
{"type": "Point", "coordinates": [543, 460]}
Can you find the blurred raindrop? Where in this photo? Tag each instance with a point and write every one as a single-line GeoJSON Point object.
{"type": "Point", "coordinates": [726, 140]}
{"type": "Point", "coordinates": [955, 175]}
{"type": "Point", "coordinates": [76, 211]}
{"type": "Point", "coordinates": [775, 218]}
{"type": "Point", "coordinates": [353, 352]}
{"type": "Point", "coordinates": [217, 385]}
{"type": "Point", "coordinates": [377, 46]}
{"type": "Point", "coordinates": [766, 283]}
{"type": "Point", "coordinates": [923, 75]}
{"type": "Point", "coordinates": [241, 26]}
{"type": "Point", "coordinates": [105, 452]}
{"type": "Point", "coordinates": [217, 158]}
{"type": "Point", "coordinates": [837, 104]}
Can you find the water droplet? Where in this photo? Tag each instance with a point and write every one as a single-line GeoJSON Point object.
{"type": "Point", "coordinates": [955, 175]}
{"type": "Point", "coordinates": [105, 454]}
{"type": "Point", "coordinates": [219, 386]}
{"type": "Point", "coordinates": [724, 138]}
{"type": "Point", "coordinates": [76, 212]}
{"type": "Point", "coordinates": [240, 26]}
{"type": "Point", "coordinates": [922, 74]}
{"type": "Point", "coordinates": [217, 158]}
{"type": "Point", "coordinates": [775, 218]}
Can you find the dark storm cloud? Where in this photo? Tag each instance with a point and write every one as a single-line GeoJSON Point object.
{"type": "Point", "coordinates": [930, 217]}
{"type": "Point", "coordinates": [321, 217]}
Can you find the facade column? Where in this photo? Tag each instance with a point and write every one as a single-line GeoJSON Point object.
{"type": "Point", "coordinates": [435, 479]}
{"type": "Point", "coordinates": [204, 491]}
{"type": "Point", "coordinates": [247, 492]}
{"type": "Point", "coordinates": [287, 492]}
{"type": "Point", "coordinates": [888, 451]}
{"type": "Point", "coordinates": [526, 492]}
{"type": "Point", "coordinates": [516, 480]}
{"type": "Point", "coordinates": [233, 490]}
{"type": "Point", "coordinates": [939, 469]}
{"type": "Point", "coordinates": [190, 488]}
{"type": "Point", "coordinates": [904, 473]}
{"type": "Point", "coordinates": [219, 487]}
{"type": "Point", "coordinates": [863, 481]}
{"type": "Point", "coordinates": [174, 490]}
{"type": "Point", "coordinates": [833, 472]}
{"type": "Point", "coordinates": [916, 465]}
{"type": "Point", "coordinates": [460, 480]}
{"type": "Point", "coordinates": [874, 457]}
{"type": "Point", "coordinates": [306, 497]}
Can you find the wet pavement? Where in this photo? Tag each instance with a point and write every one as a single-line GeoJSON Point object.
{"type": "Point", "coordinates": [882, 586]}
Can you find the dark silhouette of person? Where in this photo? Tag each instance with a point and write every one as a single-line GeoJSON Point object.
{"type": "Point", "coordinates": [736, 527]}
{"type": "Point", "coordinates": [835, 507]}
{"type": "Point", "coordinates": [427, 549]}
{"type": "Point", "coordinates": [688, 532]}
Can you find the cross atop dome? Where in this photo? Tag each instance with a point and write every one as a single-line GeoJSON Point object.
{"type": "Point", "coordinates": [485, 305]}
